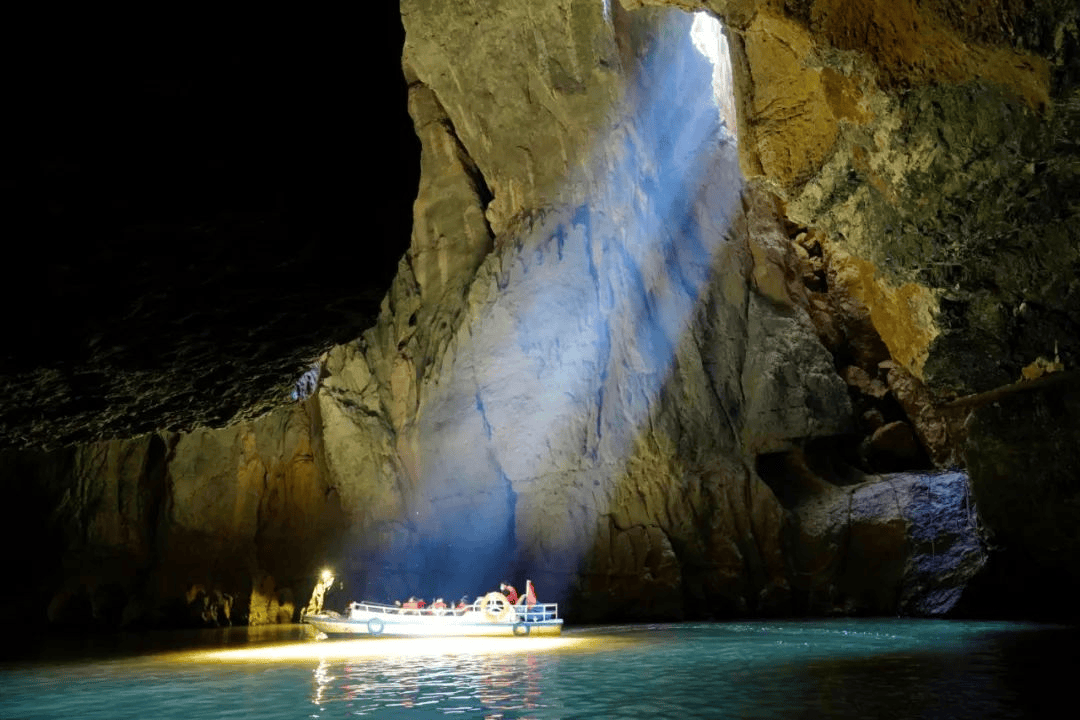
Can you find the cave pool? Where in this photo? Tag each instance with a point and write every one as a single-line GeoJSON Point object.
{"type": "Point", "coordinates": [839, 668]}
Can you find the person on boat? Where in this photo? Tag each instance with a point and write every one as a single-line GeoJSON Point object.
{"type": "Point", "coordinates": [529, 600]}
{"type": "Point", "coordinates": [462, 605]}
{"type": "Point", "coordinates": [318, 595]}
{"type": "Point", "coordinates": [413, 605]}
{"type": "Point", "coordinates": [438, 607]}
{"type": "Point", "coordinates": [509, 592]}
{"type": "Point", "coordinates": [530, 594]}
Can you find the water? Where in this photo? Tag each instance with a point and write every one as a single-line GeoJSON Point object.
{"type": "Point", "coordinates": [838, 669]}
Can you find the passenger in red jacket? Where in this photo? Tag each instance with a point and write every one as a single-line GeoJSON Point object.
{"type": "Point", "coordinates": [413, 605]}
{"type": "Point", "coordinates": [509, 592]}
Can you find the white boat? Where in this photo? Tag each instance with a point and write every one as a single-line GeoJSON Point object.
{"type": "Point", "coordinates": [491, 615]}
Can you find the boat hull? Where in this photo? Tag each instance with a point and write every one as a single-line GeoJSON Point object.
{"type": "Point", "coordinates": [430, 626]}
{"type": "Point", "coordinates": [405, 624]}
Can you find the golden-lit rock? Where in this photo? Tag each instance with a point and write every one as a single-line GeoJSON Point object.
{"type": "Point", "coordinates": [1041, 366]}
{"type": "Point", "coordinates": [791, 125]}
{"type": "Point", "coordinates": [910, 46]}
{"type": "Point", "coordinates": [939, 430]}
{"type": "Point", "coordinates": [269, 605]}
{"type": "Point", "coordinates": [904, 316]}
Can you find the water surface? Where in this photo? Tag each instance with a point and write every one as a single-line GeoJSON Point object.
{"type": "Point", "coordinates": [796, 669]}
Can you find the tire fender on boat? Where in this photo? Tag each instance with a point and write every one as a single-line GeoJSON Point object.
{"type": "Point", "coordinates": [375, 626]}
{"type": "Point", "coordinates": [521, 629]}
{"type": "Point", "coordinates": [492, 613]}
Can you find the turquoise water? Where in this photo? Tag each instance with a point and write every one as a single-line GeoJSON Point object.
{"type": "Point", "coordinates": [839, 668]}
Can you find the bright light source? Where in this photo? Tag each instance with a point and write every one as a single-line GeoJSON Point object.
{"type": "Point", "coordinates": [707, 34]}
{"type": "Point", "coordinates": [327, 576]}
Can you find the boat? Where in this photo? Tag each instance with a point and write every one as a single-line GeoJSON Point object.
{"type": "Point", "coordinates": [491, 615]}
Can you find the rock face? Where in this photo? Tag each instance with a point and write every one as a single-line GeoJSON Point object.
{"type": "Point", "coordinates": [1023, 457]}
{"type": "Point", "coordinates": [207, 528]}
{"type": "Point", "coordinates": [659, 370]}
{"type": "Point", "coordinates": [907, 543]}
{"type": "Point", "coordinates": [633, 331]}
{"type": "Point", "coordinates": [936, 156]}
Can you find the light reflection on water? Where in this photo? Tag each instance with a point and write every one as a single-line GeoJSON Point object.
{"type": "Point", "coordinates": [841, 668]}
{"type": "Point", "coordinates": [457, 685]}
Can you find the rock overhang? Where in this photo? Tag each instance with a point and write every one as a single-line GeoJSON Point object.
{"type": "Point", "coordinates": [200, 208]}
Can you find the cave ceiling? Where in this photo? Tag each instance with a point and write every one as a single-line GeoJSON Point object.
{"type": "Point", "coordinates": [198, 209]}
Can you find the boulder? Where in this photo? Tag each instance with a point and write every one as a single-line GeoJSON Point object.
{"type": "Point", "coordinates": [904, 543]}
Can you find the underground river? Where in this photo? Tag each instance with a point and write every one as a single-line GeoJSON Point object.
{"type": "Point", "coordinates": [883, 668]}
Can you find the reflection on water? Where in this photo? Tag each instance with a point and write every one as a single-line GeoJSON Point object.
{"type": "Point", "coordinates": [841, 668]}
{"type": "Point", "coordinates": [474, 686]}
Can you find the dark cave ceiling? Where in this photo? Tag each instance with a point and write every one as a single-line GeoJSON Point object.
{"type": "Point", "coordinates": [197, 209]}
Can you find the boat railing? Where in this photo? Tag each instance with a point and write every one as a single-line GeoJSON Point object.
{"type": "Point", "coordinates": [356, 608]}
{"type": "Point", "coordinates": [526, 613]}
{"type": "Point", "coordinates": [536, 612]}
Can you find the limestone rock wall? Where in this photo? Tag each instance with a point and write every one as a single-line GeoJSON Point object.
{"type": "Point", "coordinates": [919, 151]}
{"type": "Point", "coordinates": [928, 149]}
{"type": "Point", "coordinates": [580, 415]}
{"type": "Point", "coordinates": [586, 404]}
{"type": "Point", "coordinates": [203, 529]}
{"type": "Point", "coordinates": [932, 142]}
{"type": "Point", "coordinates": [652, 367]}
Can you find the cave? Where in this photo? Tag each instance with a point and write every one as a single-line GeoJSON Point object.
{"type": "Point", "coordinates": [718, 310]}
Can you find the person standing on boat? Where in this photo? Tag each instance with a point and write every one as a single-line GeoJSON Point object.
{"type": "Point", "coordinates": [530, 594]}
{"type": "Point", "coordinates": [509, 592]}
{"type": "Point", "coordinates": [318, 595]}
{"type": "Point", "coordinates": [529, 600]}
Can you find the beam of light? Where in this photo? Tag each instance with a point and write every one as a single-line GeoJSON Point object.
{"type": "Point", "coordinates": [573, 335]}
